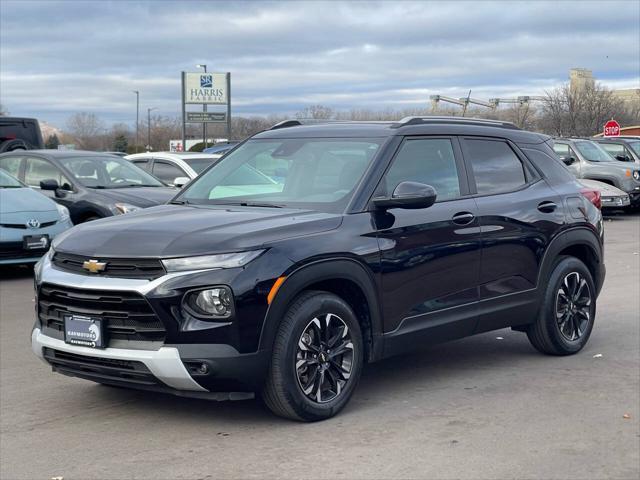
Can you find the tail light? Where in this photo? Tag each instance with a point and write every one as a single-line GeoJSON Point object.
{"type": "Point", "coordinates": [593, 196]}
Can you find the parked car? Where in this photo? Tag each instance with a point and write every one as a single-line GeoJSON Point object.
{"type": "Point", "coordinates": [28, 222]}
{"type": "Point", "coordinates": [91, 185]}
{"type": "Point", "coordinates": [624, 149]}
{"type": "Point", "coordinates": [370, 246]}
{"type": "Point", "coordinates": [588, 160]}
{"type": "Point", "coordinates": [17, 133]}
{"type": "Point", "coordinates": [610, 196]}
{"type": "Point", "coordinates": [221, 148]}
{"type": "Point", "coordinates": [174, 169]}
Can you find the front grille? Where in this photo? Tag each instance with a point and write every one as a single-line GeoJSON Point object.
{"type": "Point", "coordinates": [127, 315]}
{"type": "Point", "coordinates": [105, 370]}
{"type": "Point", "coordinates": [146, 268]}
{"type": "Point", "coordinates": [23, 226]}
{"type": "Point", "coordinates": [12, 250]}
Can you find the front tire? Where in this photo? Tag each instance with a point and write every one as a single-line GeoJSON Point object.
{"type": "Point", "coordinates": [317, 358]}
{"type": "Point", "coordinates": [567, 314]}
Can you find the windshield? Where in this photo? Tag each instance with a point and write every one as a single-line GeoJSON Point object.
{"type": "Point", "coordinates": [7, 181]}
{"type": "Point", "coordinates": [316, 173]}
{"type": "Point", "coordinates": [635, 146]}
{"type": "Point", "coordinates": [593, 152]}
{"type": "Point", "coordinates": [199, 163]}
{"type": "Point", "coordinates": [108, 171]}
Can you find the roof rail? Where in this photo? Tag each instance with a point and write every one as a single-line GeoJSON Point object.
{"type": "Point", "coordinates": [455, 120]}
{"type": "Point", "coordinates": [317, 121]}
{"type": "Point", "coordinates": [286, 124]}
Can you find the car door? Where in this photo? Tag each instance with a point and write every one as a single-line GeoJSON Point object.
{"type": "Point", "coordinates": [167, 171]}
{"type": "Point", "coordinates": [36, 169]}
{"type": "Point", "coordinates": [519, 213]}
{"type": "Point", "coordinates": [430, 257]}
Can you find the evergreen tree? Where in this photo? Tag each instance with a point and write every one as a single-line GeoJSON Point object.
{"type": "Point", "coordinates": [52, 142]}
{"type": "Point", "coordinates": [120, 143]}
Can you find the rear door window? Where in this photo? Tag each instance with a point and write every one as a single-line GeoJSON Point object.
{"type": "Point", "coordinates": [166, 171]}
{"type": "Point", "coordinates": [11, 165]}
{"type": "Point", "coordinates": [496, 167]}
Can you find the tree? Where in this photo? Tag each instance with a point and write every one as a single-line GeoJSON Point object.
{"type": "Point", "coordinates": [581, 111]}
{"type": "Point", "coordinates": [319, 112]}
{"type": "Point", "coordinates": [52, 142]}
{"type": "Point", "coordinates": [88, 130]}
{"type": "Point", "coordinates": [120, 143]}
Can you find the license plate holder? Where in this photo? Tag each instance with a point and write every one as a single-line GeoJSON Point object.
{"type": "Point", "coordinates": [35, 242]}
{"type": "Point", "coordinates": [84, 331]}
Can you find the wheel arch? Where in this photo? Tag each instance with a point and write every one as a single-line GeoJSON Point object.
{"type": "Point", "coordinates": [344, 277]}
{"type": "Point", "coordinates": [581, 243]}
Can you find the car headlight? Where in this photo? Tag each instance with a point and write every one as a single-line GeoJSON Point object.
{"type": "Point", "coordinates": [122, 208]}
{"type": "Point", "coordinates": [223, 260]}
{"type": "Point", "coordinates": [63, 212]}
{"type": "Point", "coordinates": [215, 302]}
{"type": "Point", "coordinates": [636, 175]}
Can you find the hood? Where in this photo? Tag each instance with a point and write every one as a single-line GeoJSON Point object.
{"type": "Point", "coordinates": [177, 231]}
{"type": "Point", "coordinates": [14, 200]}
{"type": "Point", "coordinates": [139, 196]}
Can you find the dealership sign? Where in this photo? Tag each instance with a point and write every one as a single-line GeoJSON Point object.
{"type": "Point", "coordinates": [205, 88]}
{"type": "Point", "coordinates": [611, 129]}
{"type": "Point", "coordinates": [206, 117]}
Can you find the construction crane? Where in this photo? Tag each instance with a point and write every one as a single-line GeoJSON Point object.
{"type": "Point", "coordinates": [493, 103]}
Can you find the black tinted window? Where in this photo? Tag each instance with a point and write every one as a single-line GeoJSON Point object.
{"type": "Point", "coordinates": [496, 168]}
{"type": "Point", "coordinates": [167, 172]}
{"type": "Point", "coordinates": [552, 167]}
{"type": "Point", "coordinates": [428, 161]}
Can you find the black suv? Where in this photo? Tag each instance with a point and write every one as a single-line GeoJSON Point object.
{"type": "Point", "coordinates": [312, 249]}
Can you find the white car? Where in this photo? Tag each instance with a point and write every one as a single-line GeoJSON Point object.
{"type": "Point", "coordinates": [176, 169]}
{"type": "Point", "coordinates": [610, 196]}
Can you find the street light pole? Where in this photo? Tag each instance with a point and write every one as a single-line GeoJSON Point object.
{"type": "Point", "coordinates": [137, 115]}
{"type": "Point", "coordinates": [204, 109]}
{"type": "Point", "coordinates": [149, 128]}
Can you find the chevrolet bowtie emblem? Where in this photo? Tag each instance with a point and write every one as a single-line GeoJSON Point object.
{"type": "Point", "coordinates": [94, 266]}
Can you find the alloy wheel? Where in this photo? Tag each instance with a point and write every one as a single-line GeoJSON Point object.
{"type": "Point", "coordinates": [324, 358]}
{"type": "Point", "coordinates": [573, 306]}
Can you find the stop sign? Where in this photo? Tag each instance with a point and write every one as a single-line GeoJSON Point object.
{"type": "Point", "coordinates": [611, 129]}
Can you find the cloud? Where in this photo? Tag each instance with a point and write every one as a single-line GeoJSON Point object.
{"type": "Point", "coordinates": [57, 58]}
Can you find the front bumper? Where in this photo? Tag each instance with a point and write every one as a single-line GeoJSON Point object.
{"type": "Point", "coordinates": [191, 362]}
{"type": "Point", "coordinates": [11, 252]}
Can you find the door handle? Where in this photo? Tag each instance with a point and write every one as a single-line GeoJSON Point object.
{"type": "Point", "coordinates": [463, 218]}
{"type": "Point", "coordinates": [547, 207]}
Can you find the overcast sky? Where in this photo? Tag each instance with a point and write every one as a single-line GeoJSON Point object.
{"type": "Point", "coordinates": [57, 58]}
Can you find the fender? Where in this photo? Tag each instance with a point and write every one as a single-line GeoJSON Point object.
{"type": "Point", "coordinates": [573, 236]}
{"type": "Point", "coordinates": [334, 268]}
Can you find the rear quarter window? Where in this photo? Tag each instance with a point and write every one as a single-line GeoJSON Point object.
{"type": "Point", "coordinates": [551, 167]}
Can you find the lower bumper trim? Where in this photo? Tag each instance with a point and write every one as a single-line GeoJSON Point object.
{"type": "Point", "coordinates": [165, 363]}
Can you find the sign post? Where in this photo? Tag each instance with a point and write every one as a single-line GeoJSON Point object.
{"type": "Point", "coordinates": [205, 89]}
{"type": "Point", "coordinates": [611, 129]}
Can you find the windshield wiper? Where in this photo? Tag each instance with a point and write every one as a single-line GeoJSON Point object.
{"type": "Point", "coordinates": [179, 202]}
{"type": "Point", "coordinates": [256, 204]}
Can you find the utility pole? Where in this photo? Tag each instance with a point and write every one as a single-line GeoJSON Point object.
{"type": "Point", "coordinates": [149, 128]}
{"type": "Point", "coordinates": [204, 109]}
{"type": "Point", "coordinates": [137, 116]}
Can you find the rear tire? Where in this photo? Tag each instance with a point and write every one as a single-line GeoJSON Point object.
{"type": "Point", "coordinates": [317, 358]}
{"type": "Point", "coordinates": [568, 310]}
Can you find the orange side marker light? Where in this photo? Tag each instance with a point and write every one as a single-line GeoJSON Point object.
{"type": "Point", "coordinates": [274, 289]}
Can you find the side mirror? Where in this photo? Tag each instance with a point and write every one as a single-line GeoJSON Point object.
{"type": "Point", "coordinates": [49, 184]}
{"type": "Point", "coordinates": [623, 158]}
{"type": "Point", "coordinates": [180, 182]}
{"type": "Point", "coordinates": [568, 160]}
{"type": "Point", "coordinates": [408, 195]}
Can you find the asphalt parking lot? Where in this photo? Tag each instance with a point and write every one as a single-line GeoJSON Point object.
{"type": "Point", "coordinates": [483, 407]}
